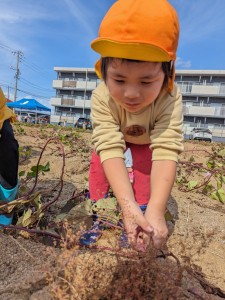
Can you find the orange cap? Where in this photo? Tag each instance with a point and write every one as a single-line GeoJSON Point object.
{"type": "Point", "coordinates": [145, 30]}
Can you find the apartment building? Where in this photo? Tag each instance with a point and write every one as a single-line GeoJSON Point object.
{"type": "Point", "coordinates": [203, 97]}
{"type": "Point", "coordinates": [203, 94]}
{"type": "Point", "coordinates": [73, 92]}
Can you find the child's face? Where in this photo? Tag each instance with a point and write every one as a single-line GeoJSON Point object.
{"type": "Point", "coordinates": [134, 85]}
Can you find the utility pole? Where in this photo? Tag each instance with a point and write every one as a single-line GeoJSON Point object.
{"type": "Point", "coordinates": [19, 55]}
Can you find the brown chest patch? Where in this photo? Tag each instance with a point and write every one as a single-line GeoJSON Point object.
{"type": "Point", "coordinates": [135, 130]}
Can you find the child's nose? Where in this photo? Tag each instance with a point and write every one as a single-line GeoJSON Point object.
{"type": "Point", "coordinates": [131, 92]}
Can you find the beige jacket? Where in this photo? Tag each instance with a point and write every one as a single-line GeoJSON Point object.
{"type": "Point", "coordinates": [159, 124]}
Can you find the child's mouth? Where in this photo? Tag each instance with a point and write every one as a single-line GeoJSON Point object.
{"type": "Point", "coordinates": [132, 104]}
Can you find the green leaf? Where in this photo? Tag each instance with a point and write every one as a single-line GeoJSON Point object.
{"type": "Point", "coordinates": [31, 174]}
{"type": "Point", "coordinates": [21, 173]}
{"type": "Point", "coordinates": [210, 164]}
{"type": "Point", "coordinates": [207, 188]}
{"type": "Point", "coordinates": [192, 158]}
{"type": "Point", "coordinates": [35, 168]}
{"type": "Point", "coordinates": [46, 168]}
{"type": "Point", "coordinates": [221, 195]}
{"type": "Point", "coordinates": [218, 195]}
{"type": "Point", "coordinates": [192, 184]}
{"type": "Point", "coordinates": [37, 201]}
{"type": "Point", "coordinates": [168, 216]}
{"type": "Point", "coordinates": [107, 209]}
{"type": "Point", "coordinates": [219, 184]}
{"type": "Point", "coordinates": [214, 196]}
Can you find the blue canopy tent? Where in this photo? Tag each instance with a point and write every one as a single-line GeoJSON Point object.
{"type": "Point", "coordinates": [29, 105]}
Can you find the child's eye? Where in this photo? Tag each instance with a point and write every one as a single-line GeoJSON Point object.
{"type": "Point", "coordinates": [119, 81]}
{"type": "Point", "coordinates": [146, 82]}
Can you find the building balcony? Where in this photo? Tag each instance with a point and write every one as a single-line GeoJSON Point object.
{"type": "Point", "coordinates": [70, 102]}
{"type": "Point", "coordinates": [204, 111]}
{"type": "Point", "coordinates": [197, 88]}
{"type": "Point", "coordinates": [75, 84]}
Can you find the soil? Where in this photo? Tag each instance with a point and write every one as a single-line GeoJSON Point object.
{"type": "Point", "coordinates": [197, 231]}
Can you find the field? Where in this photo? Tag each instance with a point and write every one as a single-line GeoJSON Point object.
{"type": "Point", "coordinates": [40, 257]}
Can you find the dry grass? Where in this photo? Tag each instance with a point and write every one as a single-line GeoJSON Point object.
{"type": "Point", "coordinates": [109, 272]}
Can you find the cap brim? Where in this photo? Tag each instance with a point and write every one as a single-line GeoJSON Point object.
{"type": "Point", "coordinates": [98, 68]}
{"type": "Point", "coordinates": [135, 51]}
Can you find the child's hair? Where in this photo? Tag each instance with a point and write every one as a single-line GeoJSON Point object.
{"type": "Point", "coordinates": [167, 68]}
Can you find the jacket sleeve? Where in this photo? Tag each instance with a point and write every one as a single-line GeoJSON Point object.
{"type": "Point", "coordinates": [107, 137]}
{"type": "Point", "coordinates": [166, 136]}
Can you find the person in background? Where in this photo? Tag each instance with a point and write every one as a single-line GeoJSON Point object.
{"type": "Point", "coordinates": [19, 119]}
{"type": "Point", "coordinates": [9, 159]}
{"type": "Point", "coordinates": [137, 106]}
{"type": "Point", "coordinates": [129, 164]}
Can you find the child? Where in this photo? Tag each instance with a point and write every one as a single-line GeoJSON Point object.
{"type": "Point", "coordinates": [9, 157]}
{"type": "Point", "coordinates": [136, 106]}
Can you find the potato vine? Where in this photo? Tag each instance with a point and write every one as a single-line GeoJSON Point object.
{"type": "Point", "coordinates": [212, 174]}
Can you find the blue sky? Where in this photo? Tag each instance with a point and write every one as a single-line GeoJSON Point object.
{"type": "Point", "coordinates": [58, 33]}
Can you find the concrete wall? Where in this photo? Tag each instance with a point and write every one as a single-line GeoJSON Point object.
{"type": "Point", "coordinates": [205, 89]}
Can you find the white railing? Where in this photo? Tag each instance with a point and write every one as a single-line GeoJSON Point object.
{"type": "Point", "coordinates": [201, 88]}
{"type": "Point", "coordinates": [75, 84]}
{"type": "Point", "coordinates": [204, 111]}
{"type": "Point", "coordinates": [70, 102]}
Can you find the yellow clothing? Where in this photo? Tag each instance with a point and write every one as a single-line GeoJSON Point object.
{"type": "Point", "coordinates": [159, 124]}
{"type": "Point", "coordinates": [5, 112]}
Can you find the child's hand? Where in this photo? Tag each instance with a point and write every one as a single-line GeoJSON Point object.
{"type": "Point", "coordinates": [160, 231]}
{"type": "Point", "coordinates": [137, 227]}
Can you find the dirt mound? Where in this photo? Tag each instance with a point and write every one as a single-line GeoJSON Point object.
{"type": "Point", "coordinates": [196, 239]}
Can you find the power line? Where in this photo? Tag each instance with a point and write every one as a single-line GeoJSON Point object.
{"type": "Point", "coordinates": [35, 86]}
{"type": "Point", "coordinates": [6, 86]}
{"type": "Point", "coordinates": [25, 92]}
{"type": "Point", "coordinates": [21, 59]}
{"type": "Point", "coordinates": [35, 68]}
{"type": "Point", "coordinates": [6, 82]}
{"type": "Point", "coordinates": [6, 47]}
{"type": "Point", "coordinates": [34, 95]}
{"type": "Point", "coordinates": [32, 65]}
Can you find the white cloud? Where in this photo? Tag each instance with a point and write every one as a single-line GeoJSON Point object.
{"type": "Point", "coordinates": [199, 19]}
{"type": "Point", "coordinates": [29, 19]}
{"type": "Point", "coordinates": [17, 24]}
{"type": "Point", "coordinates": [21, 12]}
{"type": "Point", "coordinates": [180, 63]}
{"type": "Point", "coordinates": [81, 14]}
